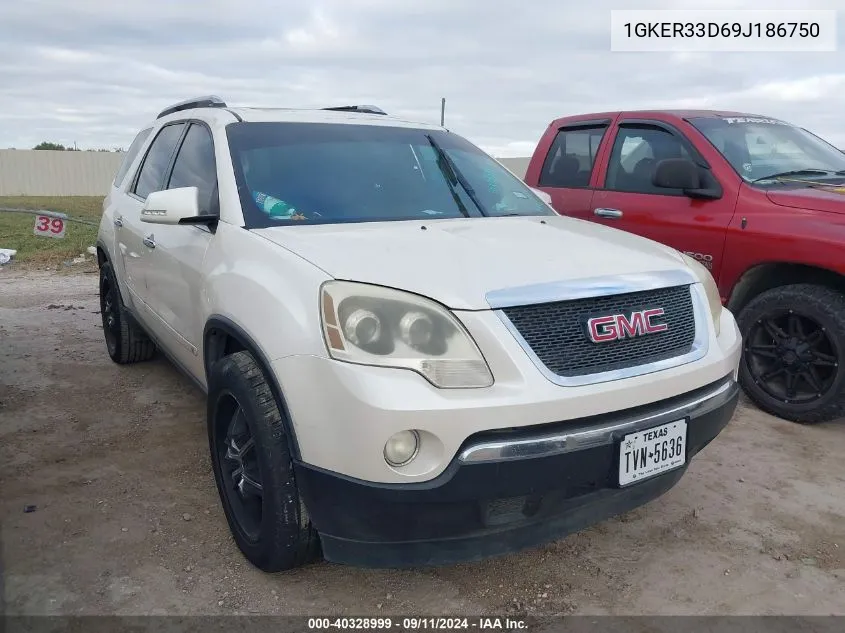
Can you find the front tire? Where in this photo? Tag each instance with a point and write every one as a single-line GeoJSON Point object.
{"type": "Point", "coordinates": [793, 347]}
{"type": "Point", "coordinates": [126, 342]}
{"type": "Point", "coordinates": [253, 468]}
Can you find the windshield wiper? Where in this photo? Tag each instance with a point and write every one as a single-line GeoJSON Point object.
{"type": "Point", "coordinates": [454, 176]}
{"type": "Point", "coordinates": [796, 172]}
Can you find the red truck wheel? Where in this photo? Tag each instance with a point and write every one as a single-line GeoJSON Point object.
{"type": "Point", "coordinates": [793, 345]}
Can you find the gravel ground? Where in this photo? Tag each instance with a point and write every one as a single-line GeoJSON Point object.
{"type": "Point", "coordinates": [109, 506]}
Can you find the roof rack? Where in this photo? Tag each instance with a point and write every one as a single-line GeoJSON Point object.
{"type": "Point", "coordinates": [209, 101]}
{"type": "Point", "coordinates": [368, 109]}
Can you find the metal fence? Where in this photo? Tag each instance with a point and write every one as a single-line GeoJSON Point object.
{"type": "Point", "coordinates": [58, 173]}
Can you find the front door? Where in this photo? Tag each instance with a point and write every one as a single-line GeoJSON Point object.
{"type": "Point", "coordinates": [133, 237]}
{"type": "Point", "coordinates": [628, 200]}
{"type": "Point", "coordinates": [174, 271]}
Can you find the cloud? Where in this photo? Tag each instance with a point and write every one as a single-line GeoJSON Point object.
{"type": "Point", "coordinates": [92, 72]}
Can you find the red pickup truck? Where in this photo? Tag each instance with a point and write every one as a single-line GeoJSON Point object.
{"type": "Point", "coordinates": [758, 201]}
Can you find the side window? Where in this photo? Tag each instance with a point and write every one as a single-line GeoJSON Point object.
{"type": "Point", "coordinates": [131, 153]}
{"type": "Point", "coordinates": [635, 154]}
{"type": "Point", "coordinates": [157, 160]}
{"type": "Point", "coordinates": [195, 167]}
{"type": "Point", "coordinates": [571, 157]}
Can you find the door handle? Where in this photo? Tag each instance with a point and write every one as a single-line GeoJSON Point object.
{"type": "Point", "coordinates": [150, 241]}
{"type": "Point", "coordinates": [118, 221]}
{"type": "Point", "coordinates": [608, 213]}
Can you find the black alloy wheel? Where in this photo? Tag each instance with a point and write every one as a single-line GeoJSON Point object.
{"type": "Point", "coordinates": [126, 341]}
{"type": "Point", "coordinates": [793, 347]}
{"type": "Point", "coordinates": [241, 473]}
{"type": "Point", "coordinates": [251, 455]}
{"type": "Point", "coordinates": [108, 310]}
{"type": "Point", "coordinates": [792, 357]}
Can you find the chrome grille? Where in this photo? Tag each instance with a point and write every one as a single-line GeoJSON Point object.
{"type": "Point", "coordinates": [557, 332]}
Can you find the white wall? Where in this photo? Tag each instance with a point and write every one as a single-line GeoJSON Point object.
{"type": "Point", "coordinates": [56, 173]}
{"type": "Point", "coordinates": [516, 165]}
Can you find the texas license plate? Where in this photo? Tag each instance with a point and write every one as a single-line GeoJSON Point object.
{"type": "Point", "coordinates": [651, 452]}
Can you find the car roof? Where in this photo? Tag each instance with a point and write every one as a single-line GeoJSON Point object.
{"type": "Point", "coordinates": [691, 114]}
{"type": "Point", "coordinates": [316, 115]}
{"type": "Point", "coordinates": [668, 113]}
{"type": "Point", "coordinates": [213, 109]}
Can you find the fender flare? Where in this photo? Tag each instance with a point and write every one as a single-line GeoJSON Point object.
{"type": "Point", "coordinates": [121, 288]}
{"type": "Point", "coordinates": [230, 328]}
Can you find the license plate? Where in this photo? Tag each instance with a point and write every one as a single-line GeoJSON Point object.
{"type": "Point", "coordinates": [651, 452]}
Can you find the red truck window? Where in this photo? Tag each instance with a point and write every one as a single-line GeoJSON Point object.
{"type": "Point", "coordinates": [571, 157]}
{"type": "Point", "coordinates": [635, 154]}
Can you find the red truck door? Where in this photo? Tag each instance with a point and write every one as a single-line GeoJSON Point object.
{"type": "Point", "coordinates": [567, 172]}
{"type": "Point", "coordinates": [625, 197]}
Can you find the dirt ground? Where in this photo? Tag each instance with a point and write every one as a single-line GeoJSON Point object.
{"type": "Point", "coordinates": [109, 506]}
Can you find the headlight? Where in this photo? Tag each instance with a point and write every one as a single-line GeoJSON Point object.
{"type": "Point", "coordinates": [714, 299]}
{"type": "Point", "coordinates": [372, 325]}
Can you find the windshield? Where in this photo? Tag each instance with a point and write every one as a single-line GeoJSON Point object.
{"type": "Point", "coordinates": [760, 148]}
{"type": "Point", "coordinates": [331, 173]}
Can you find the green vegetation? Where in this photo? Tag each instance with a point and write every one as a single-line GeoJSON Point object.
{"type": "Point", "coordinates": [53, 146]}
{"type": "Point", "coordinates": [17, 229]}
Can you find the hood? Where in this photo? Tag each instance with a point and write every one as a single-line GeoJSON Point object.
{"type": "Point", "coordinates": [457, 261]}
{"type": "Point", "coordinates": [822, 198]}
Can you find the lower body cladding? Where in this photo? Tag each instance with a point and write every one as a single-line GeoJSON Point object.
{"type": "Point", "coordinates": [513, 489]}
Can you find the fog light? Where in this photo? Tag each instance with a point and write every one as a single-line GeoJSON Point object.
{"type": "Point", "coordinates": [401, 448]}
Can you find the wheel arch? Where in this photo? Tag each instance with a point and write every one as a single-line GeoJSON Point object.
{"type": "Point", "coordinates": [766, 276]}
{"type": "Point", "coordinates": [103, 257]}
{"type": "Point", "coordinates": [222, 337]}
{"type": "Point", "coordinates": [102, 253]}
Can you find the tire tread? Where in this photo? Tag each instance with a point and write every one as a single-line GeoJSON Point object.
{"type": "Point", "coordinates": [133, 344]}
{"type": "Point", "coordinates": [827, 300]}
{"type": "Point", "coordinates": [300, 546]}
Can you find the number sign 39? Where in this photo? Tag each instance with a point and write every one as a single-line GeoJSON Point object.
{"type": "Point", "coordinates": [49, 227]}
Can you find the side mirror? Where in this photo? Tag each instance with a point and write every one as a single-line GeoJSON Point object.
{"type": "Point", "coordinates": [542, 195]}
{"type": "Point", "coordinates": [676, 173]}
{"type": "Point", "coordinates": [174, 206]}
{"type": "Point", "coordinates": [683, 174]}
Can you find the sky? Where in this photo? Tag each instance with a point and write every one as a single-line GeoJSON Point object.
{"type": "Point", "coordinates": [92, 72]}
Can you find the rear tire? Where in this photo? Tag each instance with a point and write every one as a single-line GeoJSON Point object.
{"type": "Point", "coordinates": [793, 348]}
{"type": "Point", "coordinates": [126, 342]}
{"type": "Point", "coordinates": [253, 468]}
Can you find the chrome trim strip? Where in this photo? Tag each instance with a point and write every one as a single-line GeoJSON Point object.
{"type": "Point", "coordinates": [700, 344]}
{"type": "Point", "coordinates": [585, 437]}
{"type": "Point", "coordinates": [589, 287]}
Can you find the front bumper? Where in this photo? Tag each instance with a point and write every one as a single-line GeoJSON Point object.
{"type": "Point", "coordinates": [342, 414]}
{"type": "Point", "coordinates": [505, 490]}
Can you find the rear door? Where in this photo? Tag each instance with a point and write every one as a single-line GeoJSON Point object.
{"type": "Point", "coordinates": [119, 205]}
{"type": "Point", "coordinates": [568, 171]}
{"type": "Point", "coordinates": [626, 198]}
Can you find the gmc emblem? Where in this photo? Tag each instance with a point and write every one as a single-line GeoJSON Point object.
{"type": "Point", "coordinates": [614, 327]}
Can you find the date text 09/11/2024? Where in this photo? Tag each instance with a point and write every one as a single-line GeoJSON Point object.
{"type": "Point", "coordinates": [417, 623]}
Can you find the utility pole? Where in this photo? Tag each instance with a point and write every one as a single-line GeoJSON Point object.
{"type": "Point", "coordinates": [442, 110]}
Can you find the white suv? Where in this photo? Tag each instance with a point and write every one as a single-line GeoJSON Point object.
{"type": "Point", "coordinates": [410, 359]}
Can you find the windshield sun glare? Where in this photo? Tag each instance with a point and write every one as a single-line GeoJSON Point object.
{"type": "Point", "coordinates": [763, 150]}
{"type": "Point", "coordinates": [330, 173]}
